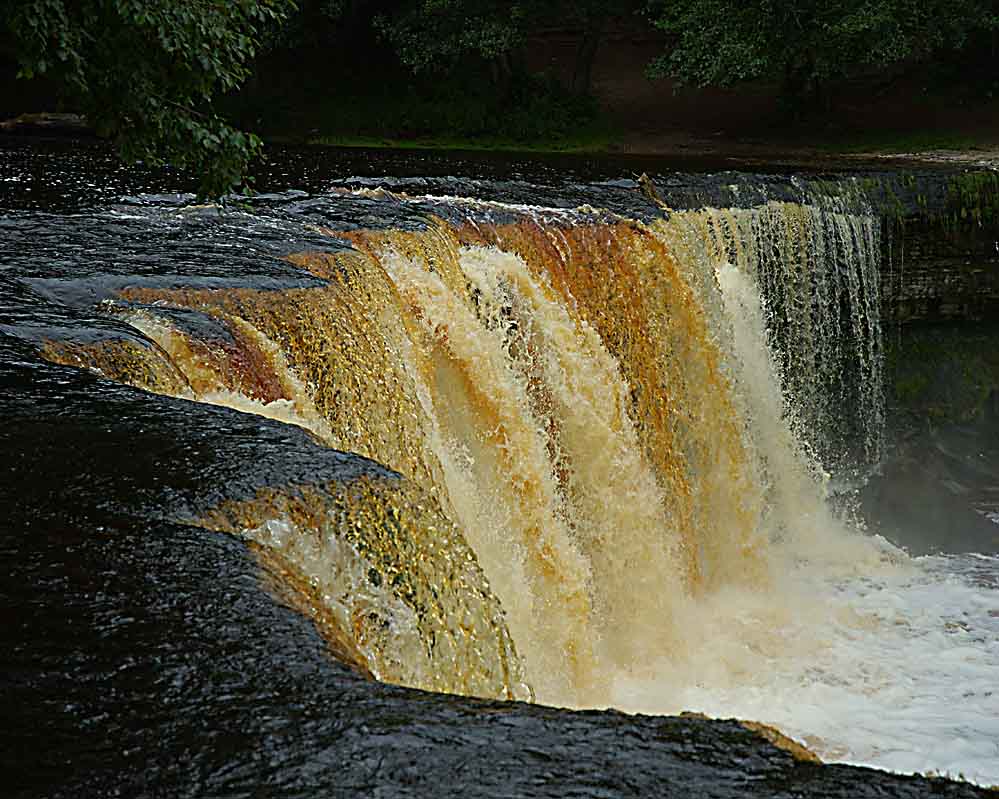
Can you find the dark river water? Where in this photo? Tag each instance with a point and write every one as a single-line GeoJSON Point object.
{"type": "Point", "coordinates": [141, 657]}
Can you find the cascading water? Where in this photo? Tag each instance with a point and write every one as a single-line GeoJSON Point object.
{"type": "Point", "coordinates": [616, 438]}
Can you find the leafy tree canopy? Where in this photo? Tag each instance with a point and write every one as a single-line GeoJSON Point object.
{"type": "Point", "coordinates": [431, 35]}
{"type": "Point", "coordinates": [806, 42]}
{"type": "Point", "coordinates": [434, 35]}
{"type": "Point", "coordinates": [144, 72]}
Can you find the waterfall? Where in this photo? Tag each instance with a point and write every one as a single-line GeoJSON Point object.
{"type": "Point", "coordinates": [601, 424]}
{"type": "Point", "coordinates": [817, 270]}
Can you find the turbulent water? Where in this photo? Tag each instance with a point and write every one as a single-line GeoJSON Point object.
{"type": "Point", "coordinates": [617, 435]}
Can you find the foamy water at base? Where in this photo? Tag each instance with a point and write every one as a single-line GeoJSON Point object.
{"type": "Point", "coordinates": [896, 668]}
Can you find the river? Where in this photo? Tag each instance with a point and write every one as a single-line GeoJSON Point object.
{"type": "Point", "coordinates": [396, 476]}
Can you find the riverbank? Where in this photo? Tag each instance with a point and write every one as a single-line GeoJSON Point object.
{"type": "Point", "coordinates": [910, 114]}
{"type": "Point", "coordinates": [942, 151]}
{"type": "Point", "coordinates": [907, 117]}
{"type": "Point", "coordinates": [924, 151]}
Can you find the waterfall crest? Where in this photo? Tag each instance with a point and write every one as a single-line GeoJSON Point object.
{"type": "Point", "coordinates": [601, 424]}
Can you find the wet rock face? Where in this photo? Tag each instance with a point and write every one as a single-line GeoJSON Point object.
{"type": "Point", "coordinates": [936, 488]}
{"type": "Point", "coordinates": [936, 491]}
{"type": "Point", "coordinates": [942, 373]}
{"type": "Point", "coordinates": [941, 271]}
{"type": "Point", "coordinates": [940, 302]}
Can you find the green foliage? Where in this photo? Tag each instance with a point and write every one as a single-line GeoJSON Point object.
{"type": "Point", "coordinates": [974, 197]}
{"type": "Point", "coordinates": [919, 141]}
{"type": "Point", "coordinates": [807, 42]}
{"type": "Point", "coordinates": [540, 109]}
{"type": "Point", "coordinates": [150, 73]}
{"type": "Point", "coordinates": [145, 73]}
{"type": "Point", "coordinates": [435, 36]}
{"type": "Point", "coordinates": [432, 35]}
{"type": "Point", "coordinates": [533, 112]}
{"type": "Point", "coordinates": [945, 372]}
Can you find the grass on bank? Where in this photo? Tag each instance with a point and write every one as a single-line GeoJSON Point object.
{"type": "Point", "coordinates": [582, 144]}
{"type": "Point", "coordinates": [909, 142]}
{"type": "Point", "coordinates": [390, 109]}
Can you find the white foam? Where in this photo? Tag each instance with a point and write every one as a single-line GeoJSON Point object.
{"type": "Point", "coordinates": [897, 668]}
